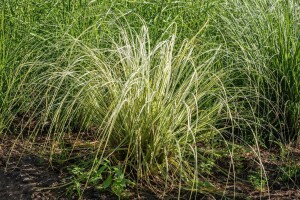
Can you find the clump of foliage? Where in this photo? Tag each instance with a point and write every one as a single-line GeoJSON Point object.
{"type": "Point", "coordinates": [160, 86]}
{"type": "Point", "coordinates": [102, 177]}
{"type": "Point", "coordinates": [263, 38]}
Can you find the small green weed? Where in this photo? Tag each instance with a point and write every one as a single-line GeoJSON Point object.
{"type": "Point", "coordinates": [103, 177]}
{"type": "Point", "coordinates": [289, 172]}
{"type": "Point", "coordinates": [258, 181]}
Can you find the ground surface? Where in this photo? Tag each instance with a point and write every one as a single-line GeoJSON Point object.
{"type": "Point", "coordinates": [26, 176]}
{"type": "Point", "coordinates": [31, 177]}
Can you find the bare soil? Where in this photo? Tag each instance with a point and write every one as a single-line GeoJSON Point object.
{"type": "Point", "coordinates": [23, 175]}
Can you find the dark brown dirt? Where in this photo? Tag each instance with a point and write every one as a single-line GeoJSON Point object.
{"type": "Point", "coordinates": [27, 176]}
{"type": "Point", "coordinates": [247, 163]}
{"type": "Point", "coordinates": [22, 175]}
{"type": "Point", "coordinates": [23, 181]}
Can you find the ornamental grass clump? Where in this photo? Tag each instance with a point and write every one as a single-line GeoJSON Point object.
{"type": "Point", "coordinates": [152, 110]}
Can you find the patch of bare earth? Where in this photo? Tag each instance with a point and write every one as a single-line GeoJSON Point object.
{"type": "Point", "coordinates": [24, 175]}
